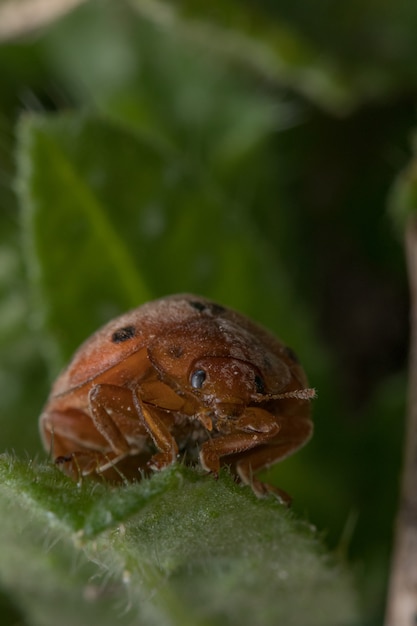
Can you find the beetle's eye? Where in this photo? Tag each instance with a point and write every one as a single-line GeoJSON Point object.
{"type": "Point", "coordinates": [197, 379]}
{"type": "Point", "coordinates": [259, 384]}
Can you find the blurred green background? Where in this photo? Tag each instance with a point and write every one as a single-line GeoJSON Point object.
{"type": "Point", "coordinates": [244, 151]}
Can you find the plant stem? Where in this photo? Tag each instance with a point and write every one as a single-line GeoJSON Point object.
{"type": "Point", "coordinates": [402, 593]}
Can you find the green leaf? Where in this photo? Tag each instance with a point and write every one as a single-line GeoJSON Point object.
{"type": "Point", "coordinates": [110, 218]}
{"type": "Point", "coordinates": [274, 42]}
{"type": "Point", "coordinates": [155, 83]}
{"type": "Point", "coordinates": [179, 548]}
{"type": "Point", "coordinates": [58, 206]}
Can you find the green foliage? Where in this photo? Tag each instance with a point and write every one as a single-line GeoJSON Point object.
{"type": "Point", "coordinates": [177, 549]}
{"type": "Point", "coordinates": [336, 54]}
{"type": "Point", "coordinates": [128, 212]}
{"type": "Point", "coordinates": [243, 151]}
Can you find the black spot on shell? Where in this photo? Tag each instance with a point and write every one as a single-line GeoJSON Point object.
{"type": "Point", "coordinates": [196, 304]}
{"type": "Point", "coordinates": [123, 334]}
{"type": "Point", "coordinates": [212, 308]}
{"type": "Point", "coordinates": [217, 309]}
{"type": "Point", "coordinates": [291, 354]}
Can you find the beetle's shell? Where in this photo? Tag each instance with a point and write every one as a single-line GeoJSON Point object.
{"type": "Point", "coordinates": [173, 319]}
{"type": "Point", "coordinates": [99, 353]}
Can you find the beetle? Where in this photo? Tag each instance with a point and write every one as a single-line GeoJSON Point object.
{"type": "Point", "coordinates": [180, 376]}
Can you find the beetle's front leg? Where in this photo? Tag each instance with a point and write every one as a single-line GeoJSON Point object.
{"type": "Point", "coordinates": [160, 434]}
{"type": "Point", "coordinates": [295, 432]}
{"type": "Point", "coordinates": [254, 427]}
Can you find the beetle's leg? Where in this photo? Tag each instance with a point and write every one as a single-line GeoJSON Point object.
{"type": "Point", "coordinates": [66, 430]}
{"type": "Point", "coordinates": [295, 432]}
{"type": "Point", "coordinates": [253, 428]}
{"type": "Point", "coordinates": [104, 400]}
{"type": "Point", "coordinates": [115, 416]}
{"type": "Point", "coordinates": [74, 442]}
{"type": "Point", "coordinates": [160, 434]}
{"type": "Point", "coordinates": [113, 430]}
{"type": "Point", "coordinates": [83, 463]}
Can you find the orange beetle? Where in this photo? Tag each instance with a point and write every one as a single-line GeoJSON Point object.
{"type": "Point", "coordinates": [179, 376]}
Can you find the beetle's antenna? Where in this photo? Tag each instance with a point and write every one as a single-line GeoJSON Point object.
{"type": "Point", "coordinates": [297, 394]}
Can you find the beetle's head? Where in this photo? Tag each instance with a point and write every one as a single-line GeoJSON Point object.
{"type": "Point", "coordinates": [222, 365]}
{"type": "Point", "coordinates": [225, 381]}
{"type": "Point", "coordinates": [229, 384]}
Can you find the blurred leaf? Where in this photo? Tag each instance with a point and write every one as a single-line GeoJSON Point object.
{"type": "Point", "coordinates": [288, 45]}
{"type": "Point", "coordinates": [101, 204]}
{"type": "Point", "coordinates": [156, 84]}
{"type": "Point", "coordinates": [177, 549]}
{"type": "Point", "coordinates": [58, 204]}
{"type": "Point", "coordinates": [23, 377]}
